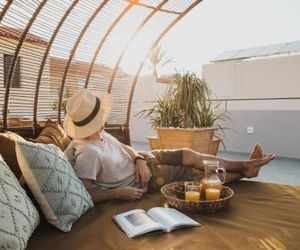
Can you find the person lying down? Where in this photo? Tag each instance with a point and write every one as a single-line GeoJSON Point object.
{"type": "Point", "coordinates": [112, 170]}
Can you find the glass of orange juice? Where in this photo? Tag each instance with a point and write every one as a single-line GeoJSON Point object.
{"type": "Point", "coordinates": [212, 193]}
{"type": "Point", "coordinates": [192, 192]}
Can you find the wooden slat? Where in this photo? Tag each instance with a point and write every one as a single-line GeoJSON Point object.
{"type": "Point", "coordinates": [77, 44]}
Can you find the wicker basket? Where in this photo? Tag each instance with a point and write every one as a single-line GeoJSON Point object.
{"type": "Point", "coordinates": [196, 206]}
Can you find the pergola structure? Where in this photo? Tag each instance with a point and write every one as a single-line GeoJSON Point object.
{"type": "Point", "coordinates": [52, 48]}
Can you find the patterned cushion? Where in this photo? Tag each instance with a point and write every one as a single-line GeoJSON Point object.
{"type": "Point", "coordinates": [53, 182]}
{"type": "Point", "coordinates": [53, 133]}
{"type": "Point", "coordinates": [18, 217]}
{"type": "Point", "coordinates": [8, 152]}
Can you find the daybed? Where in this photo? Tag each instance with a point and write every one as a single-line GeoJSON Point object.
{"type": "Point", "coordinates": [260, 216]}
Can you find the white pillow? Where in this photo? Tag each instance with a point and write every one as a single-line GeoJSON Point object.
{"type": "Point", "coordinates": [53, 182]}
{"type": "Point", "coordinates": [18, 216]}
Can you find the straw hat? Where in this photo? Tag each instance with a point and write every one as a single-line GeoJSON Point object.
{"type": "Point", "coordinates": [87, 112]}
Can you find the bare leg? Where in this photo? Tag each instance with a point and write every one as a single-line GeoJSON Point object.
{"type": "Point", "coordinates": [247, 168]}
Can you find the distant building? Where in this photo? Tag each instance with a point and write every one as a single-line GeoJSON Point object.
{"type": "Point", "coordinates": [26, 71]}
{"type": "Point", "coordinates": [259, 72]}
{"type": "Point", "coordinates": [77, 74]}
{"type": "Point", "coordinates": [263, 74]}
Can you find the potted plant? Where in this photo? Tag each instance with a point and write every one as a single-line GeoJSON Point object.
{"type": "Point", "coordinates": [184, 116]}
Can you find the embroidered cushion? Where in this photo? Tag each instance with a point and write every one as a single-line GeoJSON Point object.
{"type": "Point", "coordinates": [54, 184]}
{"type": "Point", "coordinates": [18, 216]}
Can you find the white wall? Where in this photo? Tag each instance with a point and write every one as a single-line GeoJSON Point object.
{"type": "Point", "coordinates": [257, 78]}
{"type": "Point", "coordinates": [276, 123]}
{"type": "Point", "coordinates": [147, 90]}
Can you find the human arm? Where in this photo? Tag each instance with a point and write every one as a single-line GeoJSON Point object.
{"type": "Point", "coordinates": [142, 171]}
{"type": "Point", "coordinates": [88, 166]}
{"type": "Point", "coordinates": [122, 193]}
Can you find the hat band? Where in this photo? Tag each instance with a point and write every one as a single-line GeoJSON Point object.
{"type": "Point", "coordinates": [91, 116]}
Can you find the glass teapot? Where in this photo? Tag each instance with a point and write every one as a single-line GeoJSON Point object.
{"type": "Point", "coordinates": [213, 173]}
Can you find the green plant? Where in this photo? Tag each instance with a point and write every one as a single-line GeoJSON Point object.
{"type": "Point", "coordinates": [63, 105]}
{"type": "Point", "coordinates": [187, 103]}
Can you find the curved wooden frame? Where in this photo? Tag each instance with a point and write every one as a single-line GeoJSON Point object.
{"type": "Point", "coordinates": [130, 40]}
{"type": "Point", "coordinates": [6, 7]}
{"type": "Point", "coordinates": [153, 45]}
{"type": "Point", "coordinates": [68, 11]}
{"type": "Point", "coordinates": [15, 59]}
{"type": "Point", "coordinates": [100, 45]}
{"type": "Point", "coordinates": [91, 19]}
{"type": "Point", "coordinates": [74, 47]}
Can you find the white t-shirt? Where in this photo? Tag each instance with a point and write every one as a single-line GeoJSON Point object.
{"type": "Point", "coordinates": [105, 162]}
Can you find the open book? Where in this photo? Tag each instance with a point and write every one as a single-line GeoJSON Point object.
{"type": "Point", "coordinates": [137, 222]}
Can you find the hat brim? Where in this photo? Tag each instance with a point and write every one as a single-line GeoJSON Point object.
{"type": "Point", "coordinates": [93, 126]}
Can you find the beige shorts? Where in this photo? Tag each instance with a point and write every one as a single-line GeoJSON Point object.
{"type": "Point", "coordinates": [166, 167]}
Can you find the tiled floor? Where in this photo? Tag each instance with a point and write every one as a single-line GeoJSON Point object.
{"type": "Point", "coordinates": [280, 170]}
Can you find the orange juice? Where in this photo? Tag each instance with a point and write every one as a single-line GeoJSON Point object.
{"type": "Point", "coordinates": [214, 184]}
{"type": "Point", "coordinates": [205, 184]}
{"type": "Point", "coordinates": [212, 193]}
{"type": "Point", "coordinates": [192, 196]}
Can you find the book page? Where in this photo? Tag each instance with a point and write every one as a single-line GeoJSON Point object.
{"type": "Point", "coordinates": [171, 218]}
{"type": "Point", "coordinates": [137, 222]}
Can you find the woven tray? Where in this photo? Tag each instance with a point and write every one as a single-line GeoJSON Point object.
{"type": "Point", "coordinates": [210, 206]}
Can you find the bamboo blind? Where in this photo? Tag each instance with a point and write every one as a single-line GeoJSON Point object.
{"type": "Point", "coordinates": [57, 47]}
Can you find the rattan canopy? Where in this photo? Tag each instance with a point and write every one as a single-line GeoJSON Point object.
{"type": "Point", "coordinates": [52, 48]}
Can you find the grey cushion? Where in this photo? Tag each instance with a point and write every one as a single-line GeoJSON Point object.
{"type": "Point", "coordinates": [18, 216]}
{"type": "Point", "coordinates": [53, 182]}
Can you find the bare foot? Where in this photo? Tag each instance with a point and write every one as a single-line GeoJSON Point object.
{"type": "Point", "coordinates": [256, 152]}
{"type": "Point", "coordinates": [253, 166]}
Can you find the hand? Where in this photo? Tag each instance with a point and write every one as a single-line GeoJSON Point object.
{"type": "Point", "coordinates": [128, 193]}
{"type": "Point", "coordinates": [143, 173]}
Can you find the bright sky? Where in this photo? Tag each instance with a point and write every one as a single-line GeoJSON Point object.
{"type": "Point", "coordinates": [218, 25]}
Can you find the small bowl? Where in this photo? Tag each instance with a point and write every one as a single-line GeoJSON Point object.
{"type": "Point", "coordinates": [172, 190]}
